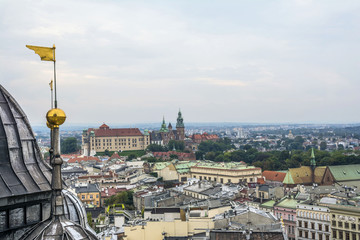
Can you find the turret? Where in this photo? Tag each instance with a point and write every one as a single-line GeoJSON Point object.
{"type": "Point", "coordinates": [180, 127]}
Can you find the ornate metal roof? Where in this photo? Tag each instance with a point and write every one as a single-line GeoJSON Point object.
{"type": "Point", "coordinates": [22, 170]}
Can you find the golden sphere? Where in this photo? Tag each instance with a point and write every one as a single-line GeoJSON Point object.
{"type": "Point", "coordinates": [49, 125]}
{"type": "Point", "coordinates": [56, 116]}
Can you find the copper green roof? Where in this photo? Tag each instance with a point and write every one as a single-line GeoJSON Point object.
{"type": "Point", "coordinates": [268, 204]}
{"type": "Point", "coordinates": [345, 172]}
{"type": "Point", "coordinates": [288, 179]}
{"type": "Point", "coordinates": [184, 166]}
{"type": "Point", "coordinates": [161, 165]}
{"type": "Point", "coordinates": [287, 203]}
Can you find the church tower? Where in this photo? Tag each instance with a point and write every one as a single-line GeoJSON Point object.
{"type": "Point", "coordinates": [180, 127]}
{"type": "Point", "coordinates": [312, 165]}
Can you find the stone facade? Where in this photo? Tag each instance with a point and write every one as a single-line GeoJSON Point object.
{"type": "Point", "coordinates": [116, 139]}
{"type": "Point", "coordinates": [313, 222]}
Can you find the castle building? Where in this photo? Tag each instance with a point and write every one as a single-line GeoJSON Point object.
{"type": "Point", "coordinates": [113, 139]}
{"type": "Point", "coordinates": [165, 134]}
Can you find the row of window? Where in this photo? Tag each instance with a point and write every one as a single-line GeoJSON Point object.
{"type": "Point", "coordinates": [345, 225]}
{"type": "Point", "coordinates": [221, 179]}
{"type": "Point", "coordinates": [91, 196]}
{"type": "Point", "coordinates": [290, 216]}
{"type": "Point", "coordinates": [318, 216]}
{"type": "Point", "coordinates": [345, 235]}
{"type": "Point", "coordinates": [311, 225]}
{"type": "Point", "coordinates": [22, 216]}
{"type": "Point", "coordinates": [312, 235]}
{"type": "Point", "coordinates": [120, 140]}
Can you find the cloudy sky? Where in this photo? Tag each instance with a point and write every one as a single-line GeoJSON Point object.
{"type": "Point", "coordinates": [229, 61]}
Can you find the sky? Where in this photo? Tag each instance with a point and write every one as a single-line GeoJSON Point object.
{"type": "Point", "coordinates": [128, 62]}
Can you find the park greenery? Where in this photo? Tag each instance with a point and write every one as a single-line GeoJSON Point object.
{"type": "Point", "coordinates": [282, 160]}
{"type": "Point", "coordinates": [294, 156]}
{"type": "Point", "coordinates": [69, 145]}
{"type": "Point", "coordinates": [125, 197]}
{"type": "Point", "coordinates": [178, 146]}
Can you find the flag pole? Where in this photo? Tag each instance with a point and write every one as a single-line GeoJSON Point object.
{"type": "Point", "coordinates": [55, 76]}
{"type": "Point", "coordinates": [51, 90]}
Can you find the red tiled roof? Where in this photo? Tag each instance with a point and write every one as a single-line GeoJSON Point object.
{"type": "Point", "coordinates": [204, 136]}
{"type": "Point", "coordinates": [104, 126]}
{"type": "Point", "coordinates": [114, 132]}
{"type": "Point", "coordinates": [84, 158]}
{"type": "Point", "coordinates": [274, 176]}
{"type": "Point", "coordinates": [260, 181]}
{"type": "Point", "coordinates": [114, 156]}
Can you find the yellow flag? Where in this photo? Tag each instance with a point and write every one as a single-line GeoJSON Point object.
{"type": "Point", "coordinates": [45, 53]}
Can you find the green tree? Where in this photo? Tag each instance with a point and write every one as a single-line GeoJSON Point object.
{"type": "Point", "coordinates": [69, 145]}
{"type": "Point", "coordinates": [178, 145]}
{"type": "Point", "coordinates": [89, 219]}
{"type": "Point", "coordinates": [173, 156]}
{"type": "Point", "coordinates": [156, 148]}
{"type": "Point", "coordinates": [323, 145]}
{"type": "Point", "coordinates": [107, 152]}
{"type": "Point", "coordinates": [131, 156]}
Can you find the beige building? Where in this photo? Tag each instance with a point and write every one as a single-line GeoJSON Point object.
{"type": "Point", "coordinates": [113, 139]}
{"type": "Point", "coordinates": [198, 221]}
{"type": "Point", "coordinates": [232, 172]}
{"type": "Point", "coordinates": [345, 221]}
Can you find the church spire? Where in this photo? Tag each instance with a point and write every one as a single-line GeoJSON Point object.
{"type": "Point", "coordinates": [180, 120]}
{"type": "Point", "coordinates": [163, 126]}
{"type": "Point", "coordinates": [312, 158]}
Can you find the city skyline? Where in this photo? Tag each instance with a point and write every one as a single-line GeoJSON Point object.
{"type": "Point", "coordinates": [134, 62]}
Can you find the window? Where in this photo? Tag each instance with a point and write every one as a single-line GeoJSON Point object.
{"type": "Point", "coordinates": [306, 234]}
{"type": "Point", "coordinates": [320, 227]}
{"type": "Point", "coordinates": [313, 226]}
{"type": "Point", "coordinates": [305, 224]}
{"type": "Point", "coordinates": [340, 224]}
{"type": "Point", "coordinates": [313, 235]}
{"type": "Point", "coordinates": [200, 178]}
{"type": "Point", "coordinates": [82, 197]}
{"type": "Point", "coordinates": [229, 180]}
{"type": "Point", "coordinates": [334, 223]}
{"type": "Point", "coordinates": [292, 229]}
{"type": "Point", "coordinates": [353, 227]}
{"type": "Point", "coordinates": [347, 225]}
{"type": "Point", "coordinates": [327, 228]}
{"type": "Point", "coordinates": [334, 234]}
{"type": "Point", "coordinates": [221, 180]}
{"type": "Point", "coordinates": [300, 223]}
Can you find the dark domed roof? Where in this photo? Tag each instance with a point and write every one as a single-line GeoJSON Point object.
{"type": "Point", "coordinates": [22, 168]}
